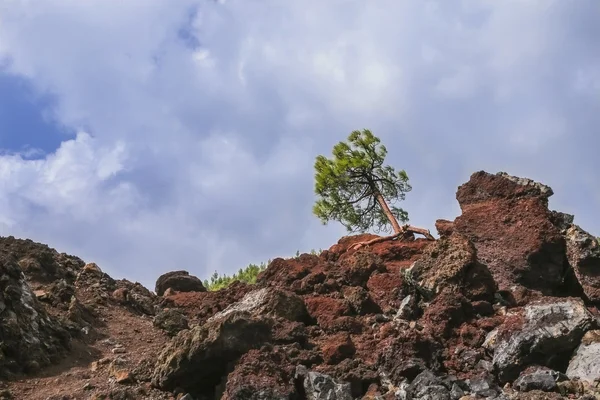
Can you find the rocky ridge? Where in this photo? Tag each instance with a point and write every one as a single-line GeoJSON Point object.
{"type": "Point", "coordinates": [502, 306]}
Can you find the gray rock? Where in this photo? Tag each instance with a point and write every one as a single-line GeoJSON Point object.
{"type": "Point", "coordinates": [434, 392]}
{"type": "Point", "coordinates": [319, 386]}
{"type": "Point", "coordinates": [583, 253]}
{"type": "Point", "coordinates": [196, 356]}
{"type": "Point", "coordinates": [407, 307]}
{"type": "Point", "coordinates": [456, 393]}
{"type": "Point", "coordinates": [541, 379]}
{"type": "Point", "coordinates": [171, 320]}
{"type": "Point", "coordinates": [548, 329]}
{"type": "Point", "coordinates": [585, 364]}
{"type": "Point", "coordinates": [484, 386]}
{"type": "Point", "coordinates": [561, 220]}
{"type": "Point", "coordinates": [269, 301]}
{"type": "Point", "coordinates": [30, 337]}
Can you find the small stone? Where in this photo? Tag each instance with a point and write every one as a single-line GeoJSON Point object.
{"type": "Point", "coordinates": [40, 294]}
{"type": "Point", "coordinates": [88, 386]}
{"type": "Point", "coordinates": [92, 267]}
{"type": "Point", "coordinates": [94, 366]}
{"type": "Point", "coordinates": [121, 295]}
{"type": "Point", "coordinates": [119, 350]}
{"type": "Point", "coordinates": [123, 376]}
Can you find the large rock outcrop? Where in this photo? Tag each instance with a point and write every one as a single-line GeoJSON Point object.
{"type": "Point", "coordinates": [583, 253]}
{"type": "Point", "coordinates": [508, 221]}
{"type": "Point", "coordinates": [29, 337]}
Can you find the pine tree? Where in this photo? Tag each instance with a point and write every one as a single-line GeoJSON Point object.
{"type": "Point", "coordinates": [358, 190]}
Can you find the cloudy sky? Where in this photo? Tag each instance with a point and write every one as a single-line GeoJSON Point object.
{"type": "Point", "coordinates": [152, 135]}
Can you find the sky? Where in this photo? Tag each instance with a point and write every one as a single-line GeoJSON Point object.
{"type": "Point", "coordinates": [155, 135]}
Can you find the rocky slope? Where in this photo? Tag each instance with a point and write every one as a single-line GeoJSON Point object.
{"type": "Point", "coordinates": [502, 306]}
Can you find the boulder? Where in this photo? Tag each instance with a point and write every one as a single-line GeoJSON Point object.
{"type": "Point", "coordinates": [540, 333]}
{"type": "Point", "coordinates": [197, 359]}
{"type": "Point", "coordinates": [545, 380]}
{"type": "Point", "coordinates": [508, 221]}
{"type": "Point", "coordinates": [179, 281]}
{"type": "Point", "coordinates": [428, 386]}
{"type": "Point", "coordinates": [583, 253]}
{"type": "Point", "coordinates": [585, 364]}
{"type": "Point", "coordinates": [171, 320]}
{"type": "Point", "coordinates": [270, 301]}
{"type": "Point", "coordinates": [452, 263]}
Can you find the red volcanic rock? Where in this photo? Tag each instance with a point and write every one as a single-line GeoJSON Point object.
{"type": "Point", "coordinates": [385, 290]}
{"type": "Point", "coordinates": [200, 306]}
{"type": "Point", "coordinates": [447, 312]}
{"type": "Point", "coordinates": [268, 372]}
{"type": "Point", "coordinates": [325, 310]}
{"type": "Point", "coordinates": [444, 227]}
{"type": "Point", "coordinates": [508, 221]}
{"type": "Point", "coordinates": [337, 348]}
{"type": "Point", "coordinates": [283, 272]}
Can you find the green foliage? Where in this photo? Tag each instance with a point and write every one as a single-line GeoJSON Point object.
{"type": "Point", "coordinates": [246, 275]}
{"type": "Point", "coordinates": [347, 185]}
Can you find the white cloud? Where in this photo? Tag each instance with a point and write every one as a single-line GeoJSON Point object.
{"type": "Point", "coordinates": [206, 116]}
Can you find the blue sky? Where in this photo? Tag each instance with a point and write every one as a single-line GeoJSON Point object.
{"type": "Point", "coordinates": [159, 135]}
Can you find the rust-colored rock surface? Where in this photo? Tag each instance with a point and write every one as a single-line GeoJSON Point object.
{"type": "Point", "coordinates": [508, 221]}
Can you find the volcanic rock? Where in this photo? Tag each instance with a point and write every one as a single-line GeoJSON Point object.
{"type": "Point", "coordinates": [541, 379]}
{"type": "Point", "coordinates": [497, 308]}
{"type": "Point", "coordinates": [318, 386]}
{"type": "Point", "coordinates": [540, 333]}
{"type": "Point", "coordinates": [451, 263]}
{"type": "Point", "coordinates": [583, 253]}
{"type": "Point", "coordinates": [197, 359]}
{"type": "Point", "coordinates": [271, 302]}
{"type": "Point", "coordinates": [585, 364]}
{"type": "Point", "coordinates": [179, 281]}
{"type": "Point", "coordinates": [262, 375]}
{"type": "Point", "coordinates": [30, 338]}
{"type": "Point", "coordinates": [508, 221]}
{"type": "Point", "coordinates": [172, 321]}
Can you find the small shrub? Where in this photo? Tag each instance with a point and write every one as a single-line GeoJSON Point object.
{"type": "Point", "coordinates": [246, 275]}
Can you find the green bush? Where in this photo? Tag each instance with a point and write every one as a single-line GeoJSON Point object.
{"type": "Point", "coordinates": [246, 275]}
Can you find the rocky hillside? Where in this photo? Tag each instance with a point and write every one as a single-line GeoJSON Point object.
{"type": "Point", "coordinates": [502, 306]}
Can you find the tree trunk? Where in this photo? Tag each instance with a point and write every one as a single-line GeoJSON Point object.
{"type": "Point", "coordinates": [398, 230]}
{"type": "Point", "coordinates": [388, 213]}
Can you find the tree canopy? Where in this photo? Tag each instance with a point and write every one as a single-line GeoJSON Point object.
{"type": "Point", "coordinates": [355, 188]}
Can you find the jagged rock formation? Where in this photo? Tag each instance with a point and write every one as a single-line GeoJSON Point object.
{"type": "Point", "coordinates": [502, 306]}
